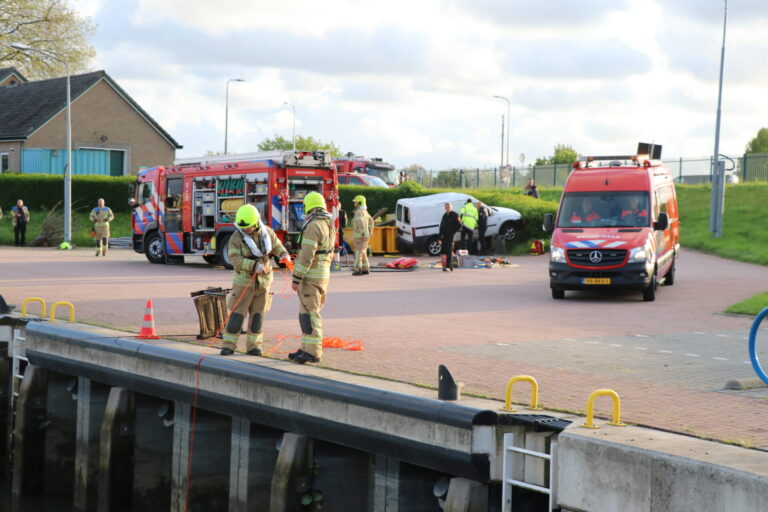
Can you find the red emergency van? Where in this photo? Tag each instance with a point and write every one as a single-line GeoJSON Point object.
{"type": "Point", "coordinates": [617, 227]}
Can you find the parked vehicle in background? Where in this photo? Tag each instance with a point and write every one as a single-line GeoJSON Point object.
{"type": "Point", "coordinates": [418, 220]}
{"type": "Point", "coordinates": [356, 164]}
{"type": "Point", "coordinates": [362, 180]}
{"type": "Point", "coordinates": [189, 209]}
{"type": "Point", "coordinates": [617, 227]}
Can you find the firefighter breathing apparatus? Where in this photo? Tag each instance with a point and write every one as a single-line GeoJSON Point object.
{"type": "Point", "coordinates": [248, 217]}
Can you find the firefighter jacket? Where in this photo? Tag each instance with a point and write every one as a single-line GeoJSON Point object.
{"type": "Point", "coordinates": [101, 217]}
{"type": "Point", "coordinates": [469, 216]}
{"type": "Point", "coordinates": [363, 223]}
{"type": "Point", "coordinates": [245, 262]}
{"type": "Point", "coordinates": [315, 248]}
{"type": "Point", "coordinates": [17, 217]}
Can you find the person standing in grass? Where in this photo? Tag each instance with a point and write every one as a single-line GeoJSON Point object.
{"type": "Point", "coordinates": [19, 220]}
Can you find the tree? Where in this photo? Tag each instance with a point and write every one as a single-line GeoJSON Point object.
{"type": "Point", "coordinates": [564, 154]}
{"type": "Point", "coordinates": [47, 25]}
{"type": "Point", "coordinates": [760, 143]}
{"type": "Point", "coordinates": [278, 142]}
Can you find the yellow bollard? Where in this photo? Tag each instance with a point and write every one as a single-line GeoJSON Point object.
{"type": "Point", "coordinates": [534, 405]}
{"type": "Point", "coordinates": [615, 419]}
{"type": "Point", "coordinates": [63, 303]}
{"type": "Point", "coordinates": [33, 299]}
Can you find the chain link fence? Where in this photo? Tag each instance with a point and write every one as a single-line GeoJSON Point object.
{"type": "Point", "coordinates": [747, 168]}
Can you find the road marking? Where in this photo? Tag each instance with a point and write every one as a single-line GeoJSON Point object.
{"type": "Point", "coordinates": [570, 339]}
{"type": "Point", "coordinates": [642, 335]}
{"type": "Point", "coordinates": [615, 345]}
{"type": "Point", "coordinates": [641, 348]}
{"type": "Point", "coordinates": [697, 332]}
{"type": "Point", "coordinates": [503, 344]}
{"type": "Point", "coordinates": [593, 342]}
{"type": "Point", "coordinates": [665, 352]}
{"type": "Point", "coordinates": [721, 358]}
{"type": "Point", "coordinates": [693, 355]}
{"type": "Point", "coordinates": [747, 362]}
{"type": "Point", "coordinates": [723, 336]}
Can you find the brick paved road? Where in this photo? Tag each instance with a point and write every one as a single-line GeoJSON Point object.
{"type": "Point", "coordinates": [668, 359]}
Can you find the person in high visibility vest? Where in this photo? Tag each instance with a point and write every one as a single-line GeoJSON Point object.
{"type": "Point", "coordinates": [249, 251]}
{"type": "Point", "coordinates": [101, 216]}
{"type": "Point", "coordinates": [311, 275]}
{"type": "Point", "coordinates": [468, 214]}
{"type": "Point", "coordinates": [362, 229]}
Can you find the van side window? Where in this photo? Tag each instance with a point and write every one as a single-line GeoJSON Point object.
{"type": "Point", "coordinates": [406, 215]}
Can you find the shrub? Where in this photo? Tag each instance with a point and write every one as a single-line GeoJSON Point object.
{"type": "Point", "coordinates": [43, 191]}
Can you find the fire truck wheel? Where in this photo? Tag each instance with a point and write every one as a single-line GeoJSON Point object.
{"type": "Point", "coordinates": [154, 248]}
{"type": "Point", "coordinates": [223, 250]}
{"type": "Point", "coordinates": [434, 246]}
{"type": "Point", "coordinates": [211, 259]}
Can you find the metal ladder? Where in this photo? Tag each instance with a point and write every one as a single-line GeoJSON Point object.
{"type": "Point", "coordinates": [19, 361]}
{"type": "Point", "coordinates": [508, 470]}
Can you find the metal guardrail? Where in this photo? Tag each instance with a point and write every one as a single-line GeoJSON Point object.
{"type": "Point", "coordinates": [753, 345]}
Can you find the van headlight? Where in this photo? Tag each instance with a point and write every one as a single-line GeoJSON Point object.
{"type": "Point", "coordinates": [639, 254]}
{"type": "Point", "coordinates": [556, 254]}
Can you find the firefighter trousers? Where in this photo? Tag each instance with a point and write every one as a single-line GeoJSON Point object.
{"type": "Point", "coordinates": [361, 254]}
{"type": "Point", "coordinates": [101, 234]}
{"type": "Point", "coordinates": [311, 301]}
{"type": "Point", "coordinates": [253, 305]}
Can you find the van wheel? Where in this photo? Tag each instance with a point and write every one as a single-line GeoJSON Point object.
{"type": "Point", "coordinates": [154, 248]}
{"type": "Point", "coordinates": [669, 279]}
{"type": "Point", "coordinates": [508, 231]}
{"type": "Point", "coordinates": [558, 293]}
{"type": "Point", "coordinates": [223, 250]}
{"type": "Point", "coordinates": [434, 246]}
{"type": "Point", "coordinates": [649, 294]}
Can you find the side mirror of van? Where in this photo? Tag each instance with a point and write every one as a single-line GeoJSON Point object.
{"type": "Point", "coordinates": [662, 223]}
{"type": "Point", "coordinates": [131, 202]}
{"type": "Point", "coordinates": [549, 223]}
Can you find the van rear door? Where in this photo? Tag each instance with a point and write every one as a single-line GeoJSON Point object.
{"type": "Point", "coordinates": [403, 222]}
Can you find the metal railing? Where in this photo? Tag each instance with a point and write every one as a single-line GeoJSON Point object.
{"type": "Point", "coordinates": [748, 168]}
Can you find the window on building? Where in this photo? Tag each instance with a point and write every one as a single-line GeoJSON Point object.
{"type": "Point", "coordinates": [5, 162]}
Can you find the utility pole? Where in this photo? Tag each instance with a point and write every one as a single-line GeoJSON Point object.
{"type": "Point", "coordinates": [502, 141]}
{"type": "Point", "coordinates": [508, 132]}
{"type": "Point", "coordinates": [717, 199]}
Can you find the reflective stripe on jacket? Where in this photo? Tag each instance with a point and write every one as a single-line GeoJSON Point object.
{"type": "Point", "coordinates": [362, 227]}
{"type": "Point", "coordinates": [316, 252]}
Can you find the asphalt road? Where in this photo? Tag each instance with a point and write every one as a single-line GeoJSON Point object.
{"type": "Point", "coordinates": [667, 359]}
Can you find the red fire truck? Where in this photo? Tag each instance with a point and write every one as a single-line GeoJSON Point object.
{"type": "Point", "coordinates": [189, 209]}
{"type": "Point", "coordinates": [355, 164]}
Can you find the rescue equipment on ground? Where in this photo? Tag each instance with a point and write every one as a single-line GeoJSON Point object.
{"type": "Point", "coordinates": [537, 247]}
{"type": "Point", "coordinates": [211, 305]}
{"type": "Point", "coordinates": [402, 263]}
{"type": "Point", "coordinates": [148, 324]}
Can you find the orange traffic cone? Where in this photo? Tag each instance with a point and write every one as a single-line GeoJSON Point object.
{"type": "Point", "coordinates": [148, 325]}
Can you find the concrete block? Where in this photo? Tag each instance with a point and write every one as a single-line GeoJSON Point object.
{"type": "Point", "coordinates": [466, 496]}
{"type": "Point", "coordinates": [292, 474]}
{"type": "Point", "coordinates": [116, 451]}
{"type": "Point", "coordinates": [536, 469]}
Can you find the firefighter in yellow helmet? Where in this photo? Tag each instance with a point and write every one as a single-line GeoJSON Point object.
{"type": "Point", "coordinates": [362, 229]}
{"type": "Point", "coordinates": [311, 274]}
{"type": "Point", "coordinates": [249, 253]}
{"type": "Point", "coordinates": [101, 216]}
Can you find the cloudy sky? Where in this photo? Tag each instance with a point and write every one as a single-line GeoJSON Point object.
{"type": "Point", "coordinates": [413, 81]}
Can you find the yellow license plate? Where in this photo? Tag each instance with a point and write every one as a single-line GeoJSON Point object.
{"type": "Point", "coordinates": [596, 280]}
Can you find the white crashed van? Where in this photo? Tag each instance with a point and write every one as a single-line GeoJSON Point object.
{"type": "Point", "coordinates": [418, 220]}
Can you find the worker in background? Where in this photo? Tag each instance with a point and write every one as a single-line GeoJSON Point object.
{"type": "Point", "coordinates": [19, 221]}
{"type": "Point", "coordinates": [311, 275]}
{"type": "Point", "coordinates": [531, 189]}
{"type": "Point", "coordinates": [468, 216]}
{"type": "Point", "coordinates": [249, 253]}
{"type": "Point", "coordinates": [362, 227]}
{"type": "Point", "coordinates": [482, 225]}
{"type": "Point", "coordinates": [101, 216]}
{"type": "Point", "coordinates": [450, 224]}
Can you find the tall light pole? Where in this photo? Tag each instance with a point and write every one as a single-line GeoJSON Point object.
{"type": "Point", "coordinates": [508, 104]}
{"type": "Point", "coordinates": [226, 112]}
{"type": "Point", "coordinates": [68, 169]}
{"type": "Point", "coordinates": [293, 108]}
{"type": "Point", "coordinates": [717, 200]}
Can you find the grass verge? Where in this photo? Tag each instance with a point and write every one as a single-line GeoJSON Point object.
{"type": "Point", "coordinates": [751, 306]}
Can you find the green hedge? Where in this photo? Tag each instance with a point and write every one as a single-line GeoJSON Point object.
{"type": "Point", "coordinates": [532, 210]}
{"type": "Point", "coordinates": [42, 191]}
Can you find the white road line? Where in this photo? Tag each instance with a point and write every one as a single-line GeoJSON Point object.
{"type": "Point", "coordinates": [570, 339]}
{"type": "Point", "coordinates": [503, 344]}
{"type": "Point", "coordinates": [697, 332]}
{"type": "Point", "coordinates": [665, 352]}
{"type": "Point", "coordinates": [723, 336]}
{"type": "Point", "coordinates": [615, 345]}
{"type": "Point", "coordinates": [693, 355]}
{"type": "Point", "coordinates": [642, 335]}
{"type": "Point", "coordinates": [747, 362]}
{"type": "Point", "coordinates": [593, 342]}
{"type": "Point", "coordinates": [721, 358]}
{"type": "Point", "coordinates": [640, 348]}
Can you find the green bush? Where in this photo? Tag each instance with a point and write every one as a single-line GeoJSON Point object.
{"type": "Point", "coordinates": [43, 191]}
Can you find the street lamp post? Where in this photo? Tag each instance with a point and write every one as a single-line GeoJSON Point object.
{"type": "Point", "coordinates": [508, 105]}
{"type": "Point", "coordinates": [293, 108]}
{"type": "Point", "coordinates": [68, 169]}
{"type": "Point", "coordinates": [717, 200]}
{"type": "Point", "coordinates": [226, 112]}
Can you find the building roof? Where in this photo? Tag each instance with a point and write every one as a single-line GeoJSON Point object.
{"type": "Point", "coordinates": [6, 72]}
{"type": "Point", "coordinates": [26, 107]}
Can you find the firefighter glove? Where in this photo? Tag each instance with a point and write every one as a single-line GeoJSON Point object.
{"type": "Point", "coordinates": [287, 261]}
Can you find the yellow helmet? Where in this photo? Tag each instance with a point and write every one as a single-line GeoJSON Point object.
{"type": "Point", "coordinates": [247, 216]}
{"type": "Point", "coordinates": [359, 200]}
{"type": "Point", "coordinates": [313, 200]}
